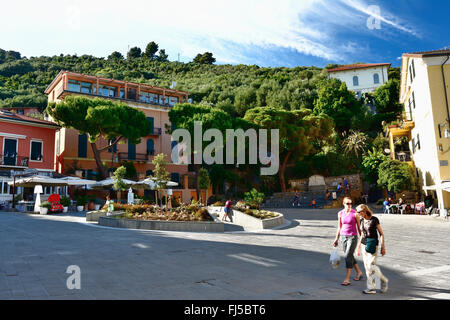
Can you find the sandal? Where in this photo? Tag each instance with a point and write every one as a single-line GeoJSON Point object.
{"type": "Point", "coordinates": [345, 284]}
{"type": "Point", "coordinates": [358, 278]}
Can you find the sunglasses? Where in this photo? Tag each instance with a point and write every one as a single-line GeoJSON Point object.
{"type": "Point", "coordinates": [348, 203]}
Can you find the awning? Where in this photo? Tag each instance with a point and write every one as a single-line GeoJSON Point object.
{"type": "Point", "coordinates": [445, 186]}
{"type": "Point", "coordinates": [35, 180]}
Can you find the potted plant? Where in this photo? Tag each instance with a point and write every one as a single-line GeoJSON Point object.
{"type": "Point", "coordinates": [44, 207]}
{"type": "Point", "coordinates": [91, 200]}
{"type": "Point", "coordinates": [65, 201]}
{"type": "Point", "coordinates": [97, 204]}
{"type": "Point", "coordinates": [81, 201]}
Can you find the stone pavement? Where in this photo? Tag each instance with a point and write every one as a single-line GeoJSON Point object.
{"type": "Point", "coordinates": [287, 263]}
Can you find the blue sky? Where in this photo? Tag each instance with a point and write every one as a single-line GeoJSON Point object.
{"type": "Point", "coordinates": [265, 33]}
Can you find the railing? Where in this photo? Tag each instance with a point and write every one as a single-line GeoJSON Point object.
{"type": "Point", "coordinates": [13, 160]}
{"type": "Point", "coordinates": [155, 131]}
{"type": "Point", "coordinates": [404, 156]}
{"type": "Point", "coordinates": [59, 92]}
{"type": "Point", "coordinates": [134, 156]}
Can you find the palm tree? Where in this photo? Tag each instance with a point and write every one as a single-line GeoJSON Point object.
{"type": "Point", "coordinates": [355, 142]}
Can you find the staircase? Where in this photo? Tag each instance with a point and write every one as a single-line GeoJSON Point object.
{"type": "Point", "coordinates": [285, 199]}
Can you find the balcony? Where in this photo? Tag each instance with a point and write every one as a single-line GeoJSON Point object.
{"type": "Point", "coordinates": [155, 132]}
{"type": "Point", "coordinates": [14, 161]}
{"type": "Point", "coordinates": [138, 157]}
{"type": "Point", "coordinates": [403, 156]}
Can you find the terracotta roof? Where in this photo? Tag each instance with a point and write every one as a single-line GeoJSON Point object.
{"type": "Point", "coordinates": [431, 53]}
{"type": "Point", "coordinates": [7, 115]}
{"type": "Point", "coordinates": [358, 66]}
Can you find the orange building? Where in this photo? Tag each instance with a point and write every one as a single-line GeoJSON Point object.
{"type": "Point", "coordinates": [73, 152]}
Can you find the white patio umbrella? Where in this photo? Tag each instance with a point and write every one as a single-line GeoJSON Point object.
{"type": "Point", "coordinates": [150, 183]}
{"type": "Point", "coordinates": [75, 181]}
{"type": "Point", "coordinates": [109, 182]}
{"type": "Point", "coordinates": [35, 180]}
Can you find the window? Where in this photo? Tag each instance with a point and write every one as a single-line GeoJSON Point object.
{"type": "Point", "coordinates": [122, 93]}
{"type": "Point", "coordinates": [355, 81]}
{"type": "Point", "coordinates": [36, 151]}
{"type": "Point", "coordinates": [107, 91]}
{"type": "Point", "coordinates": [151, 121]}
{"type": "Point", "coordinates": [175, 177]}
{"type": "Point", "coordinates": [173, 101]}
{"type": "Point", "coordinates": [114, 147]}
{"type": "Point", "coordinates": [412, 71]}
{"type": "Point", "coordinates": [150, 147]}
{"type": "Point", "coordinates": [413, 100]}
{"type": "Point", "coordinates": [86, 87]}
{"type": "Point", "coordinates": [82, 146]}
{"type": "Point", "coordinates": [376, 78]}
{"type": "Point", "coordinates": [149, 173]}
{"type": "Point", "coordinates": [74, 85]}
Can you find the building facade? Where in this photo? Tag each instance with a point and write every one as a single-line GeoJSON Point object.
{"type": "Point", "coordinates": [73, 152]}
{"type": "Point", "coordinates": [25, 143]}
{"type": "Point", "coordinates": [424, 92]}
{"type": "Point", "coordinates": [362, 78]}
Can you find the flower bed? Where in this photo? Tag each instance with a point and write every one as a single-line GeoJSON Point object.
{"type": "Point", "coordinates": [257, 213]}
{"type": "Point", "coordinates": [192, 212]}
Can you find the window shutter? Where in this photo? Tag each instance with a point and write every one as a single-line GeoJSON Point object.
{"type": "Point", "coordinates": [82, 145]}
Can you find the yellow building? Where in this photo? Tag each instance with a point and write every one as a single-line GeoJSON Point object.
{"type": "Point", "coordinates": [425, 77]}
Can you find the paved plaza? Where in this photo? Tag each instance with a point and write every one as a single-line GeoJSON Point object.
{"type": "Point", "coordinates": [287, 263]}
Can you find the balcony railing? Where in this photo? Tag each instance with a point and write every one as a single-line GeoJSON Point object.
{"type": "Point", "coordinates": [155, 131]}
{"type": "Point", "coordinates": [133, 156]}
{"type": "Point", "coordinates": [404, 156]}
{"type": "Point", "coordinates": [61, 92]}
{"type": "Point", "coordinates": [14, 160]}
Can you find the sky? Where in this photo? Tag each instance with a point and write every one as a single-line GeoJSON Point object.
{"type": "Point", "coordinates": [266, 33]}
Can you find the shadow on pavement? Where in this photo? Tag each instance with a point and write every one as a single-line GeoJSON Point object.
{"type": "Point", "coordinates": [134, 264]}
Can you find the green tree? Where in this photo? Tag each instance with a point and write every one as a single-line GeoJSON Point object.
{"type": "Point", "coordinates": [119, 185]}
{"type": "Point", "coordinates": [116, 56]}
{"type": "Point", "coordinates": [335, 100]}
{"type": "Point", "coordinates": [206, 58]}
{"type": "Point", "coordinates": [160, 173]}
{"type": "Point", "coordinates": [253, 198]}
{"type": "Point", "coordinates": [100, 118]}
{"type": "Point", "coordinates": [151, 50]}
{"type": "Point", "coordinates": [396, 176]}
{"type": "Point", "coordinates": [162, 56]}
{"type": "Point", "coordinates": [184, 115]}
{"type": "Point", "coordinates": [204, 182]}
{"type": "Point", "coordinates": [134, 53]}
{"type": "Point", "coordinates": [355, 142]}
{"type": "Point", "coordinates": [300, 131]}
{"type": "Point", "coordinates": [387, 100]}
{"type": "Point", "coordinates": [371, 164]}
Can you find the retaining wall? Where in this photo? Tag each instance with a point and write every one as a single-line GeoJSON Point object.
{"type": "Point", "coordinates": [249, 222]}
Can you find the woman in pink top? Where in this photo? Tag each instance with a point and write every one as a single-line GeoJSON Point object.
{"type": "Point", "coordinates": [347, 232]}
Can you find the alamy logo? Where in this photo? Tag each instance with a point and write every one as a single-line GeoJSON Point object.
{"type": "Point", "coordinates": [214, 152]}
{"type": "Point", "coordinates": [374, 21]}
{"type": "Point", "coordinates": [74, 280]}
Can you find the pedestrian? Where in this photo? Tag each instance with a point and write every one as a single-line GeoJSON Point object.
{"type": "Point", "coordinates": [313, 203]}
{"type": "Point", "coordinates": [227, 210]}
{"type": "Point", "coordinates": [347, 232]}
{"type": "Point", "coordinates": [169, 202]}
{"type": "Point", "coordinates": [295, 200]}
{"type": "Point", "coordinates": [370, 229]}
{"type": "Point", "coordinates": [339, 189]}
{"type": "Point", "coordinates": [109, 205]}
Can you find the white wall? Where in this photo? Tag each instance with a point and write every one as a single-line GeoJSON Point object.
{"type": "Point", "coordinates": [365, 77]}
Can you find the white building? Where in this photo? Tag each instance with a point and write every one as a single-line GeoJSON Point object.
{"type": "Point", "coordinates": [362, 78]}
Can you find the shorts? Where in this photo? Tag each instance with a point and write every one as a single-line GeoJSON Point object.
{"type": "Point", "coordinates": [227, 210]}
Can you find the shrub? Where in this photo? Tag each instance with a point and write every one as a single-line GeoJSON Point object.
{"type": "Point", "coordinates": [218, 204]}
{"type": "Point", "coordinates": [65, 201]}
{"type": "Point", "coordinates": [46, 204]}
{"type": "Point", "coordinates": [202, 214]}
{"type": "Point", "coordinates": [82, 200]}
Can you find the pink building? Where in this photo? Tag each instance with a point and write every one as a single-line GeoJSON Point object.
{"type": "Point", "coordinates": [25, 143]}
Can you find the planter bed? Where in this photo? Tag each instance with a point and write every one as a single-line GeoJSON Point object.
{"type": "Point", "coordinates": [249, 222]}
{"type": "Point", "coordinates": [95, 215]}
{"type": "Point", "coordinates": [190, 226]}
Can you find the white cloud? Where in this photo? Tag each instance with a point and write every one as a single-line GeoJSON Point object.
{"type": "Point", "coordinates": [310, 27]}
